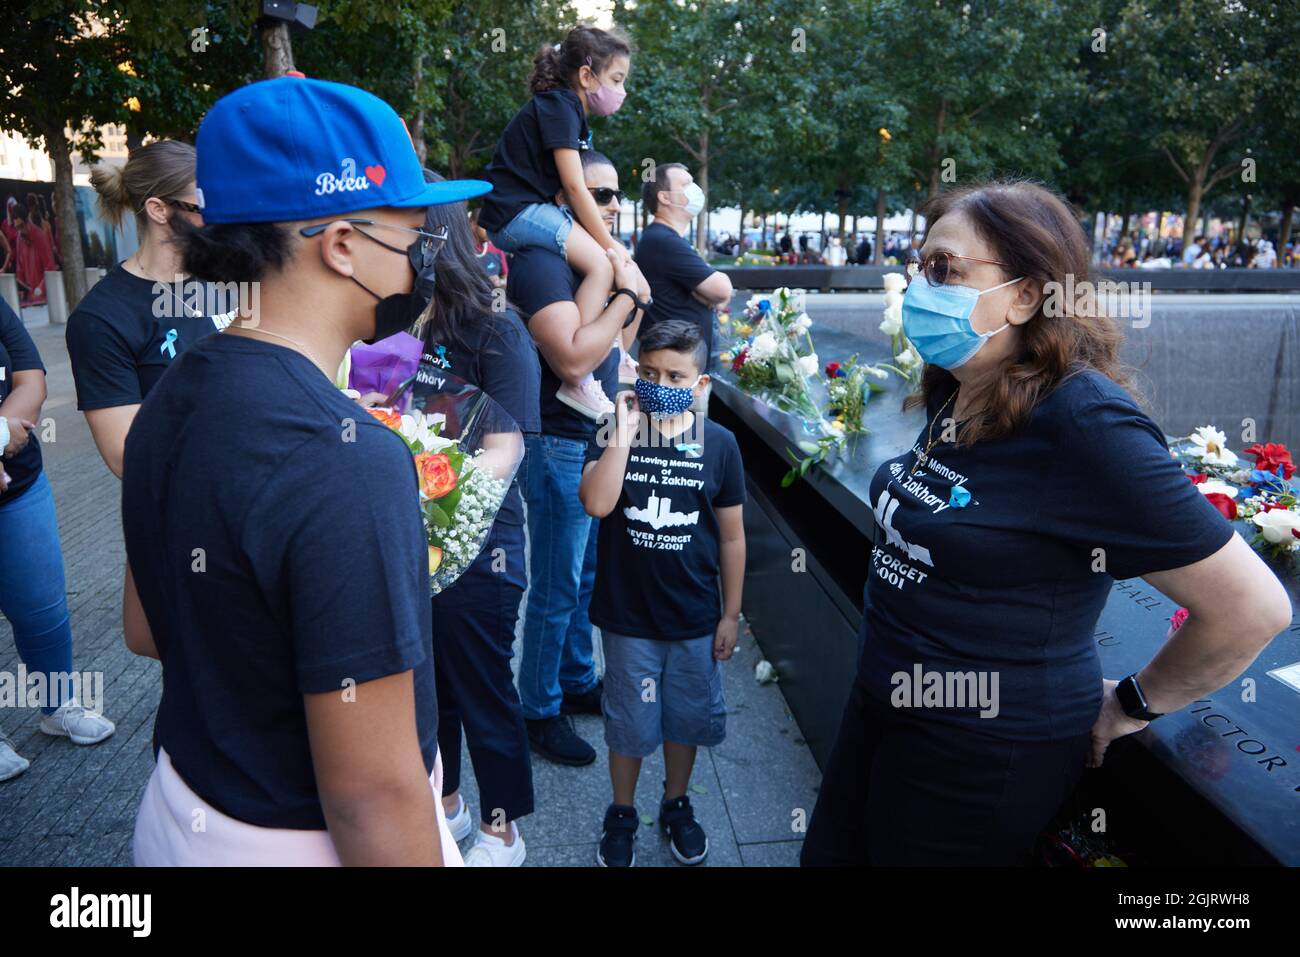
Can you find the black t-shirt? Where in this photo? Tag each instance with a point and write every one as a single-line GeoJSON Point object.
{"type": "Point", "coordinates": [659, 548]}
{"type": "Point", "coordinates": [522, 171]}
{"type": "Point", "coordinates": [538, 278]}
{"type": "Point", "coordinates": [128, 331]}
{"type": "Point", "coordinates": [500, 358]}
{"type": "Point", "coordinates": [274, 531]}
{"type": "Point", "coordinates": [673, 269]}
{"type": "Point", "coordinates": [18, 354]}
{"type": "Point", "coordinates": [1010, 585]}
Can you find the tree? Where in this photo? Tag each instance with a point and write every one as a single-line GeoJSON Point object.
{"type": "Point", "coordinates": [709, 75]}
{"type": "Point", "coordinates": [1199, 70]}
{"type": "Point", "coordinates": [63, 65]}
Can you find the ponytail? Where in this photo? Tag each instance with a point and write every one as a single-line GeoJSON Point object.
{"type": "Point", "coordinates": [556, 68]}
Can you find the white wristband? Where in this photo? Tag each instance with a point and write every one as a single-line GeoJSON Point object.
{"type": "Point", "coordinates": [4, 434]}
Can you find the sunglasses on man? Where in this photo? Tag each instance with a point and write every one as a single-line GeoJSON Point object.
{"type": "Point", "coordinates": [603, 194]}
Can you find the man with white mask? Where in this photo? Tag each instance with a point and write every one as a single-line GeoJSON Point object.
{"type": "Point", "coordinates": [682, 284]}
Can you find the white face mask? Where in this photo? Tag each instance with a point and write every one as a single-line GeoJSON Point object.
{"type": "Point", "coordinates": [694, 200]}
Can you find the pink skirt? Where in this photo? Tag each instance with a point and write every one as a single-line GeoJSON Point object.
{"type": "Point", "coordinates": [167, 832]}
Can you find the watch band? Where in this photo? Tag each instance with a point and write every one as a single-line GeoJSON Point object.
{"type": "Point", "coordinates": [1133, 701]}
{"type": "Point", "coordinates": [642, 306]}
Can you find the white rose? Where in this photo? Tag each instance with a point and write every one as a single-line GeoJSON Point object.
{"type": "Point", "coordinates": [804, 322]}
{"type": "Point", "coordinates": [763, 346]}
{"type": "Point", "coordinates": [892, 324]}
{"type": "Point", "coordinates": [908, 358]}
{"type": "Point", "coordinates": [1278, 526]}
{"type": "Point", "coordinates": [808, 365]}
{"type": "Point", "coordinates": [877, 373]}
{"type": "Point", "coordinates": [1214, 485]}
{"type": "Point", "coordinates": [895, 282]}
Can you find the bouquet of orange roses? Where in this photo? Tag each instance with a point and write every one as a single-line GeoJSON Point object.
{"type": "Point", "coordinates": [467, 450]}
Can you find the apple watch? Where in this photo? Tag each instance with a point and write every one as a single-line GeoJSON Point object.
{"type": "Point", "coordinates": [1133, 701]}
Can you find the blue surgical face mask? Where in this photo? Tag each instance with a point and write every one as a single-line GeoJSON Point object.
{"type": "Point", "coordinates": [936, 319]}
{"type": "Point", "coordinates": [664, 401]}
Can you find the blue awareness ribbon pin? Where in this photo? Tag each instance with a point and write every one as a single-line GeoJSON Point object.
{"type": "Point", "coordinates": [169, 344]}
{"type": "Point", "coordinates": [958, 497]}
{"type": "Point", "coordinates": [689, 447]}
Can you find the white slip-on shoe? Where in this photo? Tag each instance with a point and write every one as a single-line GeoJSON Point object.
{"type": "Point", "coordinates": [492, 851]}
{"type": "Point", "coordinates": [75, 722]}
{"type": "Point", "coordinates": [12, 763]}
{"type": "Point", "coordinates": [461, 824]}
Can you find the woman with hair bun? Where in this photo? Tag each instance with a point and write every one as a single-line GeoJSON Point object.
{"type": "Point", "coordinates": [133, 323]}
{"type": "Point", "coordinates": [1035, 484]}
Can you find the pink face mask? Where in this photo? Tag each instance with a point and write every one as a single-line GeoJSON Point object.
{"type": "Point", "coordinates": [606, 100]}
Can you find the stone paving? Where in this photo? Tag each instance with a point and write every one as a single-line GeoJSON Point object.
{"type": "Point", "coordinates": [76, 806]}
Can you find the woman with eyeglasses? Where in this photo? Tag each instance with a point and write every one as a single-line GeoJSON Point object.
{"type": "Point", "coordinates": [273, 528]}
{"type": "Point", "coordinates": [1036, 482]}
{"type": "Point", "coordinates": [133, 323]}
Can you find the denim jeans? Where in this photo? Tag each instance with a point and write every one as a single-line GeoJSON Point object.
{"type": "Point", "coordinates": [557, 649]}
{"type": "Point", "coordinates": [543, 225]}
{"type": "Point", "coordinates": [32, 592]}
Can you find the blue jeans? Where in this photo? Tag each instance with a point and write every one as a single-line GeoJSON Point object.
{"type": "Point", "coordinates": [33, 595]}
{"type": "Point", "coordinates": [557, 652]}
{"type": "Point", "coordinates": [543, 225]}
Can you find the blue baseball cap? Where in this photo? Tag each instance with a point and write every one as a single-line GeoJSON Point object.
{"type": "Point", "coordinates": [293, 149]}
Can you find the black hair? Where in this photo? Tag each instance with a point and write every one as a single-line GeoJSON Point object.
{"type": "Point", "coordinates": [19, 211]}
{"type": "Point", "coordinates": [676, 335]}
{"type": "Point", "coordinates": [594, 158]}
{"type": "Point", "coordinates": [232, 252]}
{"type": "Point", "coordinates": [651, 188]}
{"type": "Point", "coordinates": [556, 68]}
{"type": "Point", "coordinates": [462, 292]}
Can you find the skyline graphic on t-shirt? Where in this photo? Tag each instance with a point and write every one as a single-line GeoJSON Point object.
{"type": "Point", "coordinates": [658, 514]}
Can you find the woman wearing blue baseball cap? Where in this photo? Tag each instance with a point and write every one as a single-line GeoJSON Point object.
{"type": "Point", "coordinates": [274, 534]}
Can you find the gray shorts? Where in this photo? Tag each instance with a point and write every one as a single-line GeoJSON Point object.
{"type": "Point", "coordinates": [658, 691]}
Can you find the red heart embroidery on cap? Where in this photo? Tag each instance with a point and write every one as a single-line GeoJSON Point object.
{"type": "Point", "coordinates": [376, 174]}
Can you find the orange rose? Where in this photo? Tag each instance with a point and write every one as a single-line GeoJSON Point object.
{"type": "Point", "coordinates": [437, 477]}
{"type": "Point", "coordinates": [435, 558]}
{"type": "Point", "coordinates": [387, 416]}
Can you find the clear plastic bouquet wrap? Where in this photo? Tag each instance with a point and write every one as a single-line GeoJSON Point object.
{"type": "Point", "coordinates": [776, 359]}
{"type": "Point", "coordinates": [467, 450]}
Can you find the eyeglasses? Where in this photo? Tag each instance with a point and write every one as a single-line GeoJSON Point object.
{"type": "Point", "coordinates": [181, 204]}
{"type": "Point", "coordinates": [938, 265]}
{"type": "Point", "coordinates": [603, 194]}
{"type": "Point", "coordinates": [421, 253]}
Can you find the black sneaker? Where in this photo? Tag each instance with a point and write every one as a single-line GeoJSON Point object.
{"type": "Point", "coordinates": [555, 740]}
{"type": "Point", "coordinates": [687, 839]}
{"type": "Point", "coordinates": [617, 846]}
{"type": "Point", "coordinates": [586, 703]}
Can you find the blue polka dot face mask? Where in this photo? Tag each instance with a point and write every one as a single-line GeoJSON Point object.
{"type": "Point", "coordinates": [664, 401]}
{"type": "Point", "coordinates": [936, 319]}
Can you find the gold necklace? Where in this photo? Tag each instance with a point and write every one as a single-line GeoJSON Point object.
{"type": "Point", "coordinates": [924, 457]}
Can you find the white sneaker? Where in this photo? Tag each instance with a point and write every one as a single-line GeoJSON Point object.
{"type": "Point", "coordinates": [627, 367]}
{"type": "Point", "coordinates": [587, 398]}
{"type": "Point", "coordinates": [492, 851]}
{"type": "Point", "coordinates": [12, 763]}
{"type": "Point", "coordinates": [461, 823]}
{"type": "Point", "coordinates": [75, 722]}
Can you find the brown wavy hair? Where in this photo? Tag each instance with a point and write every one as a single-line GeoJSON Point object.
{"type": "Point", "coordinates": [556, 68]}
{"type": "Point", "coordinates": [1037, 234]}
